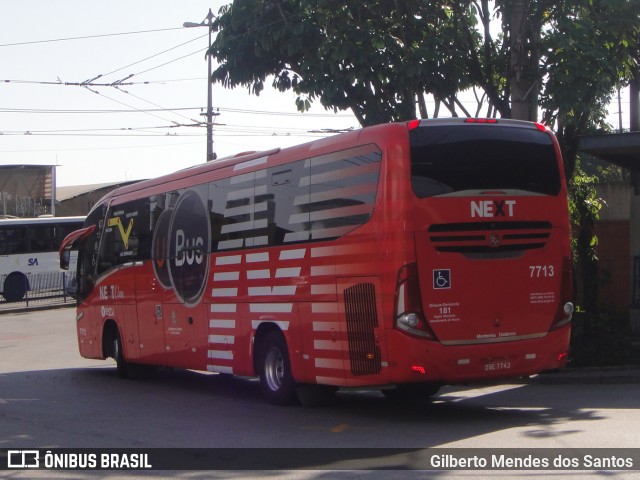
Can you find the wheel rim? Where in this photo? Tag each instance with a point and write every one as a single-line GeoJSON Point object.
{"type": "Point", "coordinates": [274, 369]}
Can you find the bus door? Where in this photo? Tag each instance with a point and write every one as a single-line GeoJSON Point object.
{"type": "Point", "coordinates": [152, 281]}
{"type": "Point", "coordinates": [121, 252]}
{"type": "Point", "coordinates": [185, 226]}
{"type": "Point", "coordinates": [149, 293]}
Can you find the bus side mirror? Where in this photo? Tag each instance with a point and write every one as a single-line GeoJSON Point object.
{"type": "Point", "coordinates": [65, 257]}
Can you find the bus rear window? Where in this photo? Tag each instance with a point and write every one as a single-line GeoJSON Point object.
{"type": "Point", "coordinates": [452, 159]}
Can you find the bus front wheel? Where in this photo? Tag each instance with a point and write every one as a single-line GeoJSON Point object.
{"type": "Point", "coordinates": [275, 375]}
{"type": "Point", "coordinates": [113, 342]}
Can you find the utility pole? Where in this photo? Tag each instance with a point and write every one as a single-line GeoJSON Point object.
{"type": "Point", "coordinates": [634, 100]}
{"type": "Point", "coordinates": [524, 36]}
{"type": "Point", "coordinates": [207, 22]}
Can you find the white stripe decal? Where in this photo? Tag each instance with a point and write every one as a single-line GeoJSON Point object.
{"type": "Point", "coordinates": [223, 339]}
{"type": "Point", "coordinates": [328, 289]}
{"type": "Point", "coordinates": [257, 257]}
{"type": "Point", "coordinates": [324, 307]}
{"type": "Point", "coordinates": [221, 354]}
{"type": "Point", "coordinates": [223, 307]}
{"type": "Point", "coordinates": [230, 244]}
{"type": "Point", "coordinates": [329, 345]}
{"type": "Point", "coordinates": [224, 292]}
{"type": "Point", "coordinates": [278, 290]}
{"type": "Point", "coordinates": [223, 276]}
{"type": "Point", "coordinates": [325, 326]}
{"type": "Point", "coordinates": [283, 324]}
{"type": "Point", "coordinates": [222, 323]}
{"type": "Point", "coordinates": [244, 226]}
{"type": "Point", "coordinates": [293, 254]}
{"type": "Point", "coordinates": [296, 236]}
{"type": "Point", "coordinates": [258, 274]}
{"type": "Point", "coordinates": [288, 272]}
{"type": "Point", "coordinates": [271, 307]}
{"type": "Point", "coordinates": [323, 270]}
{"type": "Point", "coordinates": [329, 363]}
{"type": "Point", "coordinates": [230, 260]}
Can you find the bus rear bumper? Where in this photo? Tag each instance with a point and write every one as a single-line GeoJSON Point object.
{"type": "Point", "coordinates": [425, 361]}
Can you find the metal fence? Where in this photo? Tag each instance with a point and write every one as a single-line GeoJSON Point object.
{"type": "Point", "coordinates": [39, 287]}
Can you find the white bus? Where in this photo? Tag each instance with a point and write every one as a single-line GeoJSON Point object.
{"type": "Point", "coordinates": [29, 254]}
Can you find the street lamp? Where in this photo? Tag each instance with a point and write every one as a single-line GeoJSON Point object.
{"type": "Point", "coordinates": [207, 22]}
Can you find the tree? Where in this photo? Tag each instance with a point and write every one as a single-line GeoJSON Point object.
{"type": "Point", "coordinates": [588, 52]}
{"type": "Point", "coordinates": [381, 57]}
{"type": "Point", "coordinates": [377, 58]}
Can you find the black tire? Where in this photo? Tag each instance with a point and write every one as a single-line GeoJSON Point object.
{"type": "Point", "coordinates": [122, 366]}
{"type": "Point", "coordinates": [15, 287]}
{"type": "Point", "coordinates": [412, 392]}
{"type": "Point", "coordinates": [275, 370]}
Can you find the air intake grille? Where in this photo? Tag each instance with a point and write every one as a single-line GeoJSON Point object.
{"type": "Point", "coordinates": [362, 319]}
{"type": "Point", "coordinates": [489, 237]}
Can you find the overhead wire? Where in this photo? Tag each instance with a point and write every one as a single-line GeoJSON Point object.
{"type": "Point", "coordinates": [84, 37]}
{"type": "Point", "coordinates": [220, 129]}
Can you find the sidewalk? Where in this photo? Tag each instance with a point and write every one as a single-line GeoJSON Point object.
{"type": "Point", "coordinates": [589, 375]}
{"type": "Point", "coordinates": [35, 305]}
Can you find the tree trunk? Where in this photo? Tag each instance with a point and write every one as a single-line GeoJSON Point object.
{"type": "Point", "coordinates": [524, 62]}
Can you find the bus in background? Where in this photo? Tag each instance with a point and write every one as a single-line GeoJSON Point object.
{"type": "Point", "coordinates": [29, 253]}
{"type": "Point", "coordinates": [402, 256]}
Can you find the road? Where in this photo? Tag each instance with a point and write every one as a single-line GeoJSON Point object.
{"type": "Point", "coordinates": [50, 397]}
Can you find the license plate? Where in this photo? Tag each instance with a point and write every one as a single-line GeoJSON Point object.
{"type": "Point", "coordinates": [497, 366]}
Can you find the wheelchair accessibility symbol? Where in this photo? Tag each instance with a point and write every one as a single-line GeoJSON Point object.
{"type": "Point", "coordinates": [441, 279]}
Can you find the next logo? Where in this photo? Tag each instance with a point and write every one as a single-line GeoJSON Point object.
{"type": "Point", "coordinates": [492, 208]}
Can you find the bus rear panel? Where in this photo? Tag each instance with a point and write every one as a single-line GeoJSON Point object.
{"type": "Point", "coordinates": [493, 265]}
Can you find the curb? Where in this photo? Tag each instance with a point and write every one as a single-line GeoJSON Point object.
{"type": "Point", "coordinates": [589, 376]}
{"type": "Point", "coordinates": [35, 308]}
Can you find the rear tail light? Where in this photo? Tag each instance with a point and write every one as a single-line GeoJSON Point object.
{"type": "Point", "coordinates": [413, 124]}
{"type": "Point", "coordinates": [565, 306]}
{"type": "Point", "coordinates": [409, 315]}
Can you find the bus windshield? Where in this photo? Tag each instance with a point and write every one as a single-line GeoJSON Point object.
{"type": "Point", "coordinates": [449, 160]}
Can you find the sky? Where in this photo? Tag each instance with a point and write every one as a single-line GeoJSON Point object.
{"type": "Point", "coordinates": [97, 134]}
{"type": "Point", "coordinates": [136, 130]}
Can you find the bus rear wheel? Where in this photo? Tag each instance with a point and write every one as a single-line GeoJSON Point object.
{"type": "Point", "coordinates": [275, 372]}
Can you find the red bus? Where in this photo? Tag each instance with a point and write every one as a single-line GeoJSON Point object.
{"type": "Point", "coordinates": [402, 256]}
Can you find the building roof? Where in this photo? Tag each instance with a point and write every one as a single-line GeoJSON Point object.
{"type": "Point", "coordinates": [66, 193]}
{"type": "Point", "coordinates": [619, 148]}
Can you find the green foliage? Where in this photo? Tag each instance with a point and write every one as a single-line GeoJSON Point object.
{"type": "Point", "coordinates": [588, 51]}
{"type": "Point", "coordinates": [371, 57]}
{"type": "Point", "coordinates": [584, 209]}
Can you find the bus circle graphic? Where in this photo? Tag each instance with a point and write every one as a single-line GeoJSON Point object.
{"type": "Point", "coordinates": [189, 238]}
{"type": "Point", "coordinates": [159, 248]}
